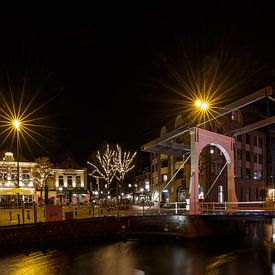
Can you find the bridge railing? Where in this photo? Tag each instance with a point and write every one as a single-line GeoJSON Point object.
{"type": "Point", "coordinates": [174, 208]}
{"type": "Point", "coordinates": [245, 206]}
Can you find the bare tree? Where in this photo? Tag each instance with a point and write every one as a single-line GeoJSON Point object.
{"type": "Point", "coordinates": [43, 169]}
{"type": "Point", "coordinates": [123, 163]}
{"type": "Point", "coordinates": [105, 167]}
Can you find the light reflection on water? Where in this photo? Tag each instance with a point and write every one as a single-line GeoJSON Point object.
{"type": "Point", "coordinates": [240, 255]}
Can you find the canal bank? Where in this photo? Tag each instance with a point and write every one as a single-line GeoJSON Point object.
{"type": "Point", "coordinates": [186, 227]}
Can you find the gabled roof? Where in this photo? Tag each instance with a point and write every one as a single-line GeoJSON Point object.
{"type": "Point", "coordinates": [69, 163]}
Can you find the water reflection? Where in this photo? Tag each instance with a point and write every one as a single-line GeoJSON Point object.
{"type": "Point", "coordinates": [33, 263]}
{"type": "Point", "coordinates": [246, 254]}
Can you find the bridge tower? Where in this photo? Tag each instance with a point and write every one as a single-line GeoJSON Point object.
{"type": "Point", "coordinates": [199, 139]}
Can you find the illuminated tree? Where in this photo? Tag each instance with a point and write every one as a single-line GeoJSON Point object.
{"type": "Point", "coordinates": [42, 170]}
{"type": "Point", "coordinates": [123, 163]}
{"type": "Point", "coordinates": [105, 167]}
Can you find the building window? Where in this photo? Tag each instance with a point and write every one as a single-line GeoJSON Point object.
{"type": "Point", "coordinates": [239, 172]}
{"type": "Point", "coordinates": [260, 142]}
{"type": "Point", "coordinates": [61, 181]}
{"type": "Point", "coordinates": [247, 138]}
{"type": "Point", "coordinates": [179, 174]}
{"type": "Point", "coordinates": [239, 138]}
{"type": "Point", "coordinates": [239, 153]}
{"type": "Point", "coordinates": [78, 181]}
{"type": "Point", "coordinates": [14, 175]}
{"type": "Point", "coordinates": [25, 176]}
{"type": "Point", "coordinates": [247, 173]}
{"type": "Point", "coordinates": [255, 157]}
{"type": "Point", "coordinates": [261, 159]}
{"type": "Point", "coordinates": [155, 180]}
{"type": "Point", "coordinates": [164, 178]}
{"type": "Point", "coordinates": [164, 163]}
{"type": "Point", "coordinates": [257, 175]}
{"type": "Point", "coordinates": [69, 181]}
{"type": "Point", "coordinates": [247, 156]}
{"type": "Point", "coordinates": [255, 141]}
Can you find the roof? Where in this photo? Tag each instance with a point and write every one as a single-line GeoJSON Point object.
{"type": "Point", "coordinates": [69, 163]}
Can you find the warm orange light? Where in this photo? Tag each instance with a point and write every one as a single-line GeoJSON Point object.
{"type": "Point", "coordinates": [16, 124]}
{"type": "Point", "coordinates": [201, 104]}
{"type": "Point", "coordinates": [198, 103]}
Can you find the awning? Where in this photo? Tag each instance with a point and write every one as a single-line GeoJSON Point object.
{"type": "Point", "coordinates": [15, 191]}
{"type": "Point", "coordinates": [79, 192]}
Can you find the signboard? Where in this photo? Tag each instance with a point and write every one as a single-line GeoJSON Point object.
{"type": "Point", "coordinates": [53, 213]}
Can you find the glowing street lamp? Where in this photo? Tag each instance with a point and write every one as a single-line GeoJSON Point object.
{"type": "Point", "coordinates": [16, 123]}
{"type": "Point", "coordinates": [203, 108]}
{"type": "Point", "coordinates": [203, 105]}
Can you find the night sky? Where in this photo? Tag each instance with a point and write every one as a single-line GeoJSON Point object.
{"type": "Point", "coordinates": [104, 66]}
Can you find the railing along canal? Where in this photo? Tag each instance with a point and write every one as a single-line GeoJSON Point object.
{"type": "Point", "coordinates": [229, 207]}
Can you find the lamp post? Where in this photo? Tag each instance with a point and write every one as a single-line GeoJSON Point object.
{"type": "Point", "coordinates": [16, 123]}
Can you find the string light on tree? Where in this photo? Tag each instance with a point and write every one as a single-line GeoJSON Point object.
{"type": "Point", "coordinates": [106, 168]}
{"type": "Point", "coordinates": [123, 163]}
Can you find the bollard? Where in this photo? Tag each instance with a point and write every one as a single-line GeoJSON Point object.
{"type": "Point", "coordinates": [18, 218]}
{"type": "Point", "coordinates": [10, 216]}
{"type": "Point", "coordinates": [28, 215]}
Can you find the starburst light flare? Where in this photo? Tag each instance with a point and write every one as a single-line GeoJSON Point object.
{"type": "Point", "coordinates": [19, 120]}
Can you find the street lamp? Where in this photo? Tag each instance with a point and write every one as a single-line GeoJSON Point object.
{"type": "Point", "coordinates": [203, 105]}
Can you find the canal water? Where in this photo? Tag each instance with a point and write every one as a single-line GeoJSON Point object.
{"type": "Point", "coordinates": [245, 254]}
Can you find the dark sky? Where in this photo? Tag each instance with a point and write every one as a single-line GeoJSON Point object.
{"type": "Point", "coordinates": [104, 63]}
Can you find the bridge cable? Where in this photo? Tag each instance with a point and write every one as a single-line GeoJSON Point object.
{"type": "Point", "coordinates": [215, 180]}
{"type": "Point", "coordinates": [157, 198]}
